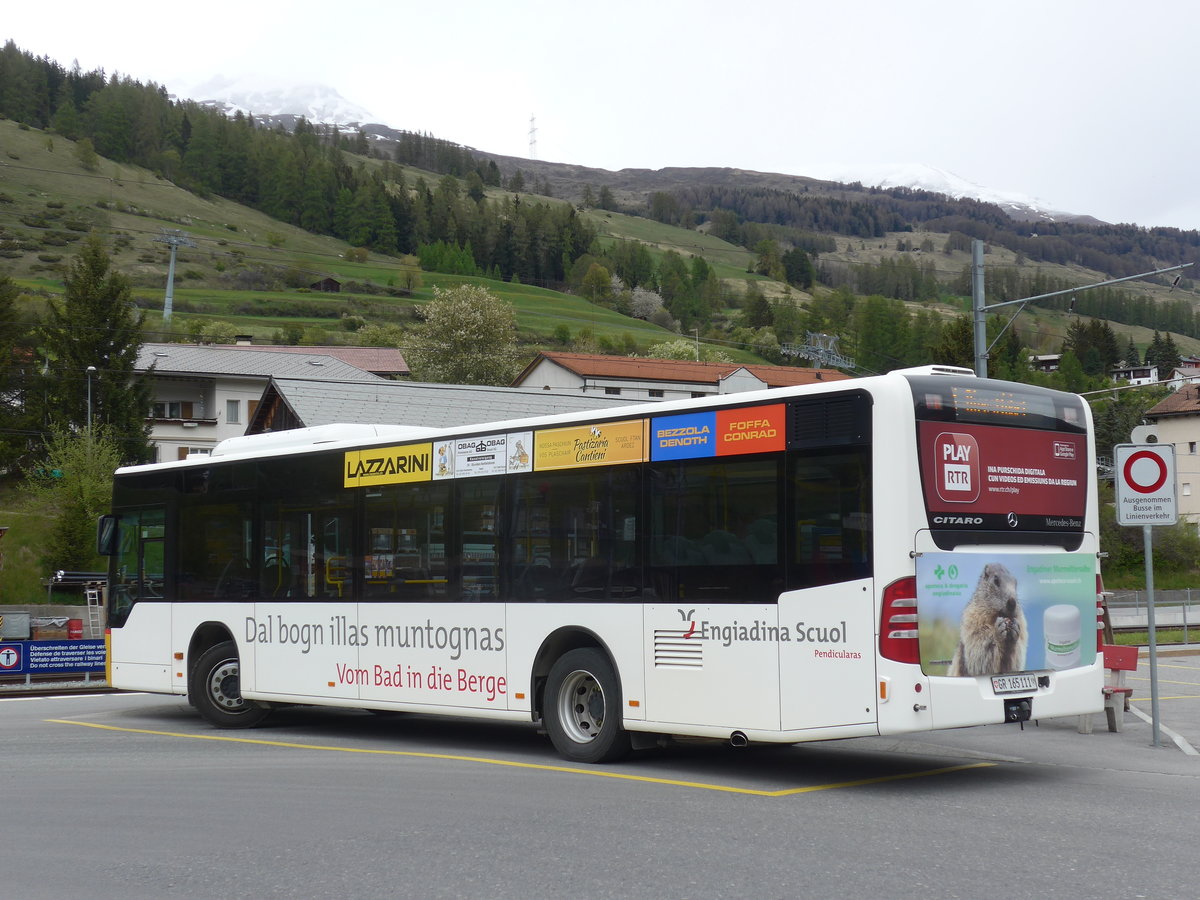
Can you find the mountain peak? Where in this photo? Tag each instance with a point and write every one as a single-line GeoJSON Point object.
{"type": "Point", "coordinates": [930, 178]}
{"type": "Point", "coordinates": [258, 97]}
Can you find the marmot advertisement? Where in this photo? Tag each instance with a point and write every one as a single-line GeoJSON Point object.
{"type": "Point", "coordinates": [988, 614]}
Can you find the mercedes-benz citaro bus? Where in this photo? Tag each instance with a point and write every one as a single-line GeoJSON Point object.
{"type": "Point", "coordinates": [881, 555]}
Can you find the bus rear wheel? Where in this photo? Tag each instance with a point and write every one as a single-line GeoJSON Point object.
{"type": "Point", "coordinates": [216, 689]}
{"type": "Point", "coordinates": [583, 708]}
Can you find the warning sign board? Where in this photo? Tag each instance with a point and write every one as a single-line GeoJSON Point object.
{"type": "Point", "coordinates": [1145, 479]}
{"type": "Point", "coordinates": [51, 657]}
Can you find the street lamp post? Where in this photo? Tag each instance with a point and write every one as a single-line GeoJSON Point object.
{"type": "Point", "coordinates": [90, 371]}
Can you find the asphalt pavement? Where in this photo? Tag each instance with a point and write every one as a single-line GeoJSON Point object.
{"type": "Point", "coordinates": [1055, 742]}
{"type": "Point", "coordinates": [1178, 683]}
{"type": "Point", "coordinates": [1177, 748]}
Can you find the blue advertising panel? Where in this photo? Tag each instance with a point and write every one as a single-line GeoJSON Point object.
{"type": "Point", "coordinates": [51, 657]}
{"type": "Point", "coordinates": [683, 437]}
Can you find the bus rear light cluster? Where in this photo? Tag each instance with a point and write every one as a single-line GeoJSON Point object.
{"type": "Point", "coordinates": [1099, 613]}
{"type": "Point", "coordinates": [898, 622]}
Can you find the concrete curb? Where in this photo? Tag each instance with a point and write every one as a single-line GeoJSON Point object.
{"type": "Point", "coordinates": [1171, 650]}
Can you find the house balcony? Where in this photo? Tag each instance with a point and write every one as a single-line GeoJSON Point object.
{"type": "Point", "coordinates": [183, 423]}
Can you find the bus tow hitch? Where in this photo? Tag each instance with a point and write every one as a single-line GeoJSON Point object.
{"type": "Point", "coordinates": [1018, 709]}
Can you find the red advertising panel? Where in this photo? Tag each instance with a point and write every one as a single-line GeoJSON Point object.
{"type": "Point", "coordinates": [754, 429]}
{"type": "Point", "coordinates": [992, 477]}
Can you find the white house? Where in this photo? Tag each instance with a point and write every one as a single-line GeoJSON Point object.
{"type": "Point", "coordinates": [1141, 374]}
{"type": "Point", "coordinates": [1176, 420]}
{"type": "Point", "coordinates": [203, 394]}
{"type": "Point", "coordinates": [658, 379]}
{"type": "Point", "coordinates": [1184, 374]}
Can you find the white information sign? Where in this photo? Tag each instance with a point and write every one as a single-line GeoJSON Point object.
{"type": "Point", "coordinates": [1145, 479]}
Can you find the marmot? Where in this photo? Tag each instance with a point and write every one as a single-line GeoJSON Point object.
{"type": "Point", "coordinates": [993, 636]}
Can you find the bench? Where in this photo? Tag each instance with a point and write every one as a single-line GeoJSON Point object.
{"type": "Point", "coordinates": [1117, 661]}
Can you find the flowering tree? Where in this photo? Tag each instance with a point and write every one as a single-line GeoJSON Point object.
{"type": "Point", "coordinates": [645, 303]}
{"type": "Point", "coordinates": [72, 478]}
{"type": "Point", "coordinates": [682, 349]}
{"type": "Point", "coordinates": [469, 336]}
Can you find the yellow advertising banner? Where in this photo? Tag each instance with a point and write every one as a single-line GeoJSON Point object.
{"type": "Point", "coordinates": [600, 444]}
{"type": "Point", "coordinates": [388, 465]}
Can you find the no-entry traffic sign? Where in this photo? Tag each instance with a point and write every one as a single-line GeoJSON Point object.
{"type": "Point", "coordinates": [1145, 477]}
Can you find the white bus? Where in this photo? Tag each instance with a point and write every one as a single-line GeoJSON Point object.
{"type": "Point", "coordinates": [882, 555]}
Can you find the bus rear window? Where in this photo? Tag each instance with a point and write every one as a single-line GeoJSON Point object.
{"type": "Point", "coordinates": [988, 402]}
{"type": "Point", "coordinates": [987, 469]}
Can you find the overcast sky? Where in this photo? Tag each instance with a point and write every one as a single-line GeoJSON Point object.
{"type": "Point", "coordinates": [1086, 105]}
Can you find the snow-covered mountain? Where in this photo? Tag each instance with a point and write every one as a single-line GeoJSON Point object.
{"type": "Point", "coordinates": [930, 178]}
{"type": "Point", "coordinates": [927, 178]}
{"type": "Point", "coordinates": [318, 103]}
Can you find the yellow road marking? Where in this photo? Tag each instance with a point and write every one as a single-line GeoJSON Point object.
{"type": "Point", "coordinates": [1169, 681]}
{"type": "Point", "coordinates": [1180, 697]}
{"type": "Point", "coordinates": [597, 773]}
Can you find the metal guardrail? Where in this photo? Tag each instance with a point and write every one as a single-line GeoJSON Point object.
{"type": "Point", "coordinates": [1137, 599]}
{"type": "Point", "coordinates": [63, 578]}
{"type": "Point", "coordinates": [1172, 609]}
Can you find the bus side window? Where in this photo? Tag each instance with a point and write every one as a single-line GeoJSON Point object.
{"type": "Point", "coordinates": [831, 491]}
{"type": "Point", "coordinates": [215, 552]}
{"type": "Point", "coordinates": [286, 553]}
{"type": "Point", "coordinates": [405, 553]}
{"type": "Point", "coordinates": [479, 549]}
{"type": "Point", "coordinates": [138, 547]}
{"type": "Point", "coordinates": [714, 534]}
{"type": "Point", "coordinates": [574, 536]}
{"type": "Point", "coordinates": [304, 540]}
{"type": "Point", "coordinates": [334, 557]}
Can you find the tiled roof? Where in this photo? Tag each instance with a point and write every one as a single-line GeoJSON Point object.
{"type": "Point", "coordinates": [1183, 402]}
{"type": "Point", "coordinates": [202, 359]}
{"type": "Point", "coordinates": [588, 365]}
{"type": "Point", "coordinates": [380, 360]}
{"type": "Point", "coordinates": [419, 404]}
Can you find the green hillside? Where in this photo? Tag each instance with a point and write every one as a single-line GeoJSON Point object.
{"type": "Point", "coordinates": [48, 202]}
{"type": "Point", "coordinates": [253, 272]}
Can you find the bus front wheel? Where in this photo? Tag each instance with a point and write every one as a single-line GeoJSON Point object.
{"type": "Point", "coordinates": [216, 689]}
{"type": "Point", "coordinates": [583, 708]}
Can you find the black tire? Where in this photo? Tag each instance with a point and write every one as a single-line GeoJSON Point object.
{"type": "Point", "coordinates": [582, 708]}
{"type": "Point", "coordinates": [215, 689]}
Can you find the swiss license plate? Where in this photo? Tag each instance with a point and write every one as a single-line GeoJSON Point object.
{"type": "Point", "coordinates": [1013, 684]}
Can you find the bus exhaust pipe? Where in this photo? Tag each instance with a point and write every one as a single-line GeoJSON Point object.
{"type": "Point", "coordinates": [738, 740]}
